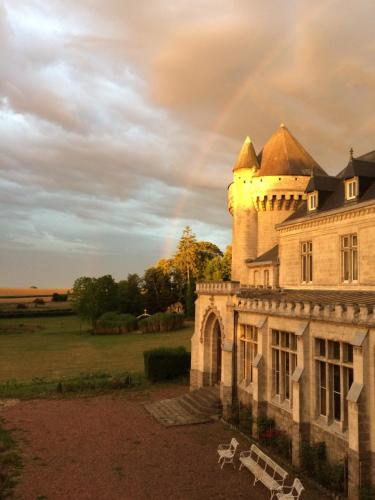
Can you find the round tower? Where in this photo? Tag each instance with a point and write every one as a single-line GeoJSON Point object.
{"type": "Point", "coordinates": [241, 207]}
{"type": "Point", "coordinates": [279, 188]}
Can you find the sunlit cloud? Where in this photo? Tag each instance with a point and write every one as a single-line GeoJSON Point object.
{"type": "Point", "coordinates": [120, 121]}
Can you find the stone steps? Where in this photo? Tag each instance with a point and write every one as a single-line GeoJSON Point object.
{"type": "Point", "coordinates": [199, 406]}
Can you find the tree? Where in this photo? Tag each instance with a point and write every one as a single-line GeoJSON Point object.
{"type": "Point", "coordinates": [159, 292]}
{"type": "Point", "coordinates": [185, 258]}
{"type": "Point", "coordinates": [130, 298]}
{"type": "Point", "coordinates": [219, 268]}
{"type": "Point", "coordinates": [190, 299]}
{"type": "Point", "coordinates": [92, 297]}
{"type": "Point", "coordinates": [206, 252]}
{"type": "Point", "coordinates": [227, 263]}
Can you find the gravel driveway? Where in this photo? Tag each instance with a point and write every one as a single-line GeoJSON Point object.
{"type": "Point", "coordinates": [108, 447]}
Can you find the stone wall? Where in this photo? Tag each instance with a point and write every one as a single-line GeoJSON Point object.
{"type": "Point", "coordinates": [325, 232]}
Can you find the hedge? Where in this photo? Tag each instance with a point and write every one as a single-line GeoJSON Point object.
{"type": "Point", "coordinates": [162, 322]}
{"type": "Point", "coordinates": [166, 363]}
{"type": "Point", "coordinates": [112, 322]}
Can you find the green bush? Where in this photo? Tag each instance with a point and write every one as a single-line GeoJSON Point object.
{"type": "Point", "coordinates": [115, 323]}
{"type": "Point", "coordinates": [161, 322]}
{"type": "Point", "coordinates": [166, 363]}
{"type": "Point", "coordinates": [367, 492]}
{"type": "Point", "coordinates": [314, 461]}
{"type": "Point", "coordinates": [245, 420]}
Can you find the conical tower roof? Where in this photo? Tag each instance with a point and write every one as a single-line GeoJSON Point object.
{"type": "Point", "coordinates": [284, 155]}
{"type": "Point", "coordinates": [247, 157]}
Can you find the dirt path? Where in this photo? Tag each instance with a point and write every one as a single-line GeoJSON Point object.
{"type": "Point", "coordinates": [108, 448]}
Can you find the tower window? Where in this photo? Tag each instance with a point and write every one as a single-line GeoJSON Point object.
{"type": "Point", "coordinates": [351, 189]}
{"type": "Point", "coordinates": [312, 201]}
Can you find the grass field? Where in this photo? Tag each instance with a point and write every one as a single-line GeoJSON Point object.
{"type": "Point", "coordinates": [55, 347]}
{"type": "Point", "coordinates": [28, 294]}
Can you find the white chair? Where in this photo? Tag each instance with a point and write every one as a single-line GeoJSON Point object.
{"type": "Point", "coordinates": [227, 452]}
{"type": "Point", "coordinates": [291, 492]}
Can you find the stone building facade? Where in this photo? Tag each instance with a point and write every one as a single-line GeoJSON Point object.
{"type": "Point", "coordinates": [292, 336]}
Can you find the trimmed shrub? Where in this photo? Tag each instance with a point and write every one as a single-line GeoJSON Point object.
{"type": "Point", "coordinates": [39, 302]}
{"type": "Point", "coordinates": [166, 363]}
{"type": "Point", "coordinates": [162, 322]}
{"type": "Point", "coordinates": [115, 323]}
{"type": "Point", "coordinates": [21, 305]}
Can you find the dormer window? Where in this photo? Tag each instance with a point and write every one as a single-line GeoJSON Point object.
{"type": "Point", "coordinates": [351, 189]}
{"type": "Point", "coordinates": [312, 201]}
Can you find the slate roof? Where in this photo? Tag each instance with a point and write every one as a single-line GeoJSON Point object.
{"type": "Point", "coordinates": [323, 297]}
{"type": "Point", "coordinates": [332, 191]}
{"type": "Point", "coordinates": [269, 256]}
{"type": "Point", "coordinates": [284, 155]}
{"type": "Point", "coordinates": [247, 157]}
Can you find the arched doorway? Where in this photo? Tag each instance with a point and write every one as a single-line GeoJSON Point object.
{"type": "Point", "coordinates": [213, 337]}
{"type": "Point", "coordinates": [217, 351]}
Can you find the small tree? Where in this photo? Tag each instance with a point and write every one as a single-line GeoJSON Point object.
{"type": "Point", "coordinates": [92, 297]}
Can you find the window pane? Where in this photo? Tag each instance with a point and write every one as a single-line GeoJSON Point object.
{"type": "Point", "coordinates": [275, 337]}
{"type": "Point", "coordinates": [287, 368]}
{"type": "Point", "coordinates": [346, 266]}
{"type": "Point", "coordinates": [349, 379]}
{"type": "Point", "coordinates": [336, 393]}
{"type": "Point", "coordinates": [293, 342]}
{"type": "Point", "coordinates": [348, 353]}
{"type": "Point", "coordinates": [334, 350]}
{"type": "Point", "coordinates": [322, 388]}
{"type": "Point", "coordinates": [355, 265]}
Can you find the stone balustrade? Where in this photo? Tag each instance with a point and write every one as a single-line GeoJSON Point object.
{"type": "Point", "coordinates": [354, 313]}
{"type": "Point", "coordinates": [218, 287]}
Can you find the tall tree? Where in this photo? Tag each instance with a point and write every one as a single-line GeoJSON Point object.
{"type": "Point", "coordinates": [185, 258]}
{"type": "Point", "coordinates": [158, 290]}
{"type": "Point", "coordinates": [130, 298]}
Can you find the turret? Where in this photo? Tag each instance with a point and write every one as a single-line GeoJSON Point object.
{"type": "Point", "coordinates": [279, 188]}
{"type": "Point", "coordinates": [241, 206]}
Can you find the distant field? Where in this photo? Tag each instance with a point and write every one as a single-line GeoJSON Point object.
{"type": "Point", "coordinates": [57, 347]}
{"type": "Point", "coordinates": [16, 295]}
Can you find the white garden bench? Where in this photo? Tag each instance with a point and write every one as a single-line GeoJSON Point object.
{"type": "Point", "coordinates": [226, 452]}
{"type": "Point", "coordinates": [264, 469]}
{"type": "Point", "coordinates": [294, 491]}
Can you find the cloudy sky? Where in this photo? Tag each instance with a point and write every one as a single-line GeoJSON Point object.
{"type": "Point", "coordinates": [120, 120]}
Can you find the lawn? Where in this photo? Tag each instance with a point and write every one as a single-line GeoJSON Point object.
{"type": "Point", "coordinates": [57, 347]}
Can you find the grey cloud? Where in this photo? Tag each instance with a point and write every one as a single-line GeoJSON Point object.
{"type": "Point", "coordinates": [120, 121]}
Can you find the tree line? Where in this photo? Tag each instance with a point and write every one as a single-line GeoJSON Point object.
{"type": "Point", "coordinates": [169, 281]}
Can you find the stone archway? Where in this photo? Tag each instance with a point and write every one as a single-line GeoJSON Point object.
{"type": "Point", "coordinates": [212, 335]}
